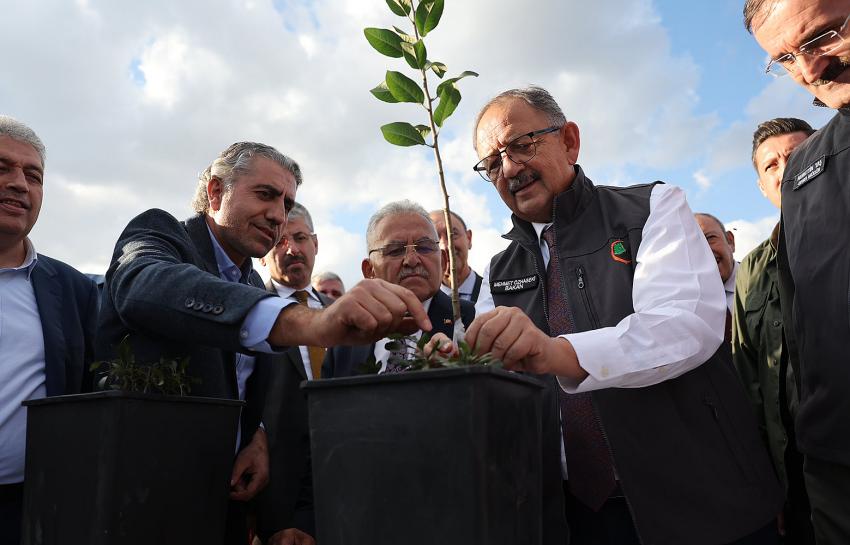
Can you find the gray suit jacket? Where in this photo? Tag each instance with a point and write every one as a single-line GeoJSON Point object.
{"type": "Point", "coordinates": [163, 289]}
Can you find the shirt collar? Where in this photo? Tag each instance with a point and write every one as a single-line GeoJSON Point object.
{"type": "Point", "coordinates": [29, 262]}
{"type": "Point", "coordinates": [729, 285]}
{"type": "Point", "coordinates": [227, 269]}
{"type": "Point", "coordinates": [539, 228]}
{"type": "Point", "coordinates": [286, 291]}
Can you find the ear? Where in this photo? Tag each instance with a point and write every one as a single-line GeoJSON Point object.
{"type": "Point", "coordinates": [366, 268]}
{"type": "Point", "coordinates": [215, 192]}
{"type": "Point", "coordinates": [730, 238]}
{"type": "Point", "coordinates": [263, 261]}
{"type": "Point", "coordinates": [572, 141]}
{"type": "Point", "coordinates": [316, 242]}
{"type": "Point", "coordinates": [761, 187]}
{"type": "Point", "coordinates": [469, 238]}
{"type": "Point", "coordinates": [444, 261]}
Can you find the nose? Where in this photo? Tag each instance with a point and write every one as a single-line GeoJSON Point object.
{"type": "Point", "coordinates": [16, 180]}
{"type": "Point", "coordinates": [509, 167]}
{"type": "Point", "coordinates": [411, 256]}
{"type": "Point", "coordinates": [811, 68]}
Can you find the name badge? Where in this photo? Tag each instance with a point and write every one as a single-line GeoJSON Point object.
{"type": "Point", "coordinates": [809, 173]}
{"type": "Point", "coordinates": [514, 285]}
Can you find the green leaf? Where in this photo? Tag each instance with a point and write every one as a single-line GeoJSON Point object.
{"type": "Point", "coordinates": [451, 81]}
{"type": "Point", "coordinates": [382, 93]}
{"type": "Point", "coordinates": [427, 16]}
{"type": "Point", "coordinates": [449, 99]}
{"type": "Point", "coordinates": [386, 42]}
{"type": "Point", "coordinates": [399, 7]}
{"type": "Point", "coordinates": [415, 54]}
{"type": "Point", "coordinates": [405, 37]}
{"type": "Point", "coordinates": [402, 134]}
{"type": "Point", "coordinates": [424, 130]}
{"type": "Point", "coordinates": [403, 88]}
{"type": "Point", "coordinates": [439, 69]}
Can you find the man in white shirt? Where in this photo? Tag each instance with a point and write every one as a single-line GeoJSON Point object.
{"type": "Point", "coordinates": [402, 249]}
{"type": "Point", "coordinates": [468, 281]}
{"type": "Point", "coordinates": [47, 315]}
{"type": "Point", "coordinates": [614, 291]}
{"type": "Point", "coordinates": [722, 245]}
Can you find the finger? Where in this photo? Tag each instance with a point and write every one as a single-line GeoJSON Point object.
{"type": "Point", "coordinates": [239, 467]}
{"type": "Point", "coordinates": [506, 337]}
{"type": "Point", "coordinates": [413, 304]}
{"type": "Point", "coordinates": [490, 329]}
{"type": "Point", "coordinates": [471, 335]}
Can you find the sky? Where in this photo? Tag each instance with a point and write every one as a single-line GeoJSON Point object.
{"type": "Point", "coordinates": [134, 99]}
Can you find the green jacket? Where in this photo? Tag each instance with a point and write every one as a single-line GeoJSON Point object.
{"type": "Point", "coordinates": [757, 345]}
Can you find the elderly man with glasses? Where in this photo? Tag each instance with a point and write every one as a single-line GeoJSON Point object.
{"type": "Point", "coordinates": [615, 292]}
{"type": "Point", "coordinates": [403, 249]}
{"type": "Point", "coordinates": [810, 41]}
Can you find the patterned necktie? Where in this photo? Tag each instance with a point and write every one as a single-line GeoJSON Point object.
{"type": "Point", "coordinates": [591, 470]}
{"type": "Point", "coordinates": [317, 353]}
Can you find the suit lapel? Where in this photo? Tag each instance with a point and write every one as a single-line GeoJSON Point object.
{"type": "Point", "coordinates": [196, 227]}
{"type": "Point", "coordinates": [293, 355]}
{"type": "Point", "coordinates": [48, 296]}
{"type": "Point", "coordinates": [440, 314]}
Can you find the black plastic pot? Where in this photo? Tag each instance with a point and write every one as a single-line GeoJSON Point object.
{"type": "Point", "coordinates": [448, 456]}
{"type": "Point", "coordinates": [123, 468]}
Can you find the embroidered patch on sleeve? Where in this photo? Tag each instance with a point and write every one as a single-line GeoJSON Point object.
{"type": "Point", "coordinates": [809, 173]}
{"type": "Point", "coordinates": [619, 252]}
{"type": "Point", "coordinates": [514, 285]}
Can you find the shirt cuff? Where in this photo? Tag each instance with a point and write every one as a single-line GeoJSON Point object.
{"type": "Point", "coordinates": [255, 330]}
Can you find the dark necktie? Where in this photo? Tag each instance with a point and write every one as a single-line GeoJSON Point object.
{"type": "Point", "coordinates": [317, 353]}
{"type": "Point", "coordinates": [591, 470]}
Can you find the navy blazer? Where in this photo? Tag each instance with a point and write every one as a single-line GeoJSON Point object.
{"type": "Point", "coordinates": [163, 289]}
{"type": "Point", "coordinates": [345, 361]}
{"type": "Point", "coordinates": [67, 305]}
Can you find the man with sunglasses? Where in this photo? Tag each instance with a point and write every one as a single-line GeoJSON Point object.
{"type": "Point", "coordinates": [615, 292]}
{"type": "Point", "coordinates": [403, 249]}
{"type": "Point", "coordinates": [810, 41]}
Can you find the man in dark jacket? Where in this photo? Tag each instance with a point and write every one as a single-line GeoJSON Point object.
{"type": "Point", "coordinates": [614, 290]}
{"type": "Point", "coordinates": [809, 40]}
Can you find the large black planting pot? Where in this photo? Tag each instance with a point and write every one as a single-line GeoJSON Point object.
{"type": "Point", "coordinates": [117, 468]}
{"type": "Point", "coordinates": [447, 456]}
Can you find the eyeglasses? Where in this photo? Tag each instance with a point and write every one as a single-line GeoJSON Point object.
{"type": "Point", "coordinates": [822, 45]}
{"type": "Point", "coordinates": [394, 250]}
{"type": "Point", "coordinates": [520, 150]}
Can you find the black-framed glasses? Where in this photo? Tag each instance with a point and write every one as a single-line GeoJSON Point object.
{"type": "Point", "coordinates": [520, 150]}
{"type": "Point", "coordinates": [394, 250]}
{"type": "Point", "coordinates": [819, 46]}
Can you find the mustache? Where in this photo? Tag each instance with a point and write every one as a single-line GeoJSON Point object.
{"type": "Point", "coordinates": [521, 180]}
{"type": "Point", "coordinates": [293, 259]}
{"type": "Point", "coordinates": [418, 270]}
{"type": "Point", "coordinates": [836, 67]}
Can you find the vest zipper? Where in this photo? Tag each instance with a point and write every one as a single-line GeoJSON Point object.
{"type": "Point", "coordinates": [581, 282]}
{"type": "Point", "coordinates": [585, 297]}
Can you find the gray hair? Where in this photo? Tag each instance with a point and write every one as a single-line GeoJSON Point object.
{"type": "Point", "coordinates": [299, 211]}
{"type": "Point", "coordinates": [236, 160]}
{"type": "Point", "coordinates": [392, 209]}
{"type": "Point", "coordinates": [325, 276]}
{"type": "Point", "coordinates": [778, 127]}
{"type": "Point", "coordinates": [713, 218]}
{"type": "Point", "coordinates": [751, 9]}
{"type": "Point", "coordinates": [16, 130]}
{"type": "Point", "coordinates": [536, 97]}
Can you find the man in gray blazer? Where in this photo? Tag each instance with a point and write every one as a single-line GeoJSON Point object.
{"type": "Point", "coordinates": [179, 289]}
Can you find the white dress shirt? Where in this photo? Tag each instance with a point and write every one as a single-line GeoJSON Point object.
{"type": "Point", "coordinates": [677, 296]}
{"type": "Point", "coordinates": [464, 290]}
{"type": "Point", "coordinates": [313, 301]}
{"type": "Point", "coordinates": [382, 354]}
{"type": "Point", "coordinates": [729, 288]}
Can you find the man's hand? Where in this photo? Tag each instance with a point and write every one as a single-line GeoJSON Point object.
{"type": "Point", "coordinates": [291, 536]}
{"type": "Point", "coordinates": [508, 334]}
{"type": "Point", "coordinates": [368, 312]}
{"type": "Point", "coordinates": [251, 469]}
{"type": "Point", "coordinates": [441, 344]}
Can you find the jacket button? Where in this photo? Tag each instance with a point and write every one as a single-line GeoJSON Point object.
{"type": "Point", "coordinates": [189, 302]}
{"type": "Point", "coordinates": [198, 305]}
{"type": "Point", "coordinates": [218, 309]}
{"type": "Point", "coordinates": [776, 323]}
{"type": "Point", "coordinates": [208, 307]}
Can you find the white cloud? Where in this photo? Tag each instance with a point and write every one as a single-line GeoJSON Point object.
{"type": "Point", "coordinates": [749, 234]}
{"type": "Point", "coordinates": [703, 181]}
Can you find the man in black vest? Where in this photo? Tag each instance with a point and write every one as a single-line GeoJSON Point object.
{"type": "Point", "coordinates": [808, 40]}
{"type": "Point", "coordinates": [615, 291]}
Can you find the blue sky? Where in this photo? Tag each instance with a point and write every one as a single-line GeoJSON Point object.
{"type": "Point", "coordinates": [134, 99]}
